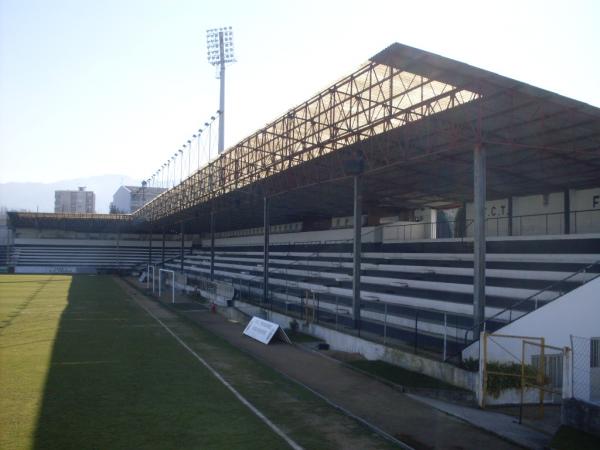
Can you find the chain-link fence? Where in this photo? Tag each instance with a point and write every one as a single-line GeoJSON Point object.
{"type": "Point", "coordinates": [586, 369]}
{"type": "Point", "coordinates": [521, 370]}
{"type": "Point", "coordinates": [434, 333]}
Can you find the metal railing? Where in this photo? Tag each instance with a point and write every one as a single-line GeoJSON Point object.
{"type": "Point", "coordinates": [384, 325]}
{"type": "Point", "coordinates": [416, 329]}
{"type": "Point", "coordinates": [552, 288]}
{"type": "Point", "coordinates": [500, 226]}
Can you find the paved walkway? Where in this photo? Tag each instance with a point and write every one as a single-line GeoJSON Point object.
{"type": "Point", "coordinates": [420, 422]}
{"type": "Point", "coordinates": [497, 423]}
{"type": "Point", "coordinates": [413, 422]}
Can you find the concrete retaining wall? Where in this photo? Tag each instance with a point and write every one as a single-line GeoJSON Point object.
{"type": "Point", "coordinates": [371, 350]}
{"type": "Point", "coordinates": [581, 415]}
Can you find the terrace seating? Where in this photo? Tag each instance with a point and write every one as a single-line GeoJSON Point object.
{"type": "Point", "coordinates": [90, 258]}
{"type": "Point", "coordinates": [3, 257]}
{"type": "Point", "coordinates": [430, 283]}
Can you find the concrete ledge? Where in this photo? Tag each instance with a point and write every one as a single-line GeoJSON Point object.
{"type": "Point", "coordinates": [499, 424]}
{"type": "Point", "coordinates": [581, 415]}
{"type": "Point", "coordinates": [371, 350]}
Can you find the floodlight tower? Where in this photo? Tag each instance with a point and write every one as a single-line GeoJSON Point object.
{"type": "Point", "coordinates": [219, 48]}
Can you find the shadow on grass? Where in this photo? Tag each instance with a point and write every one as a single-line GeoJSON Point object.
{"type": "Point", "coordinates": [117, 381]}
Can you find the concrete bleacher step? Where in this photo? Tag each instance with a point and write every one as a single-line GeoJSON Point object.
{"type": "Point", "coordinates": [397, 283]}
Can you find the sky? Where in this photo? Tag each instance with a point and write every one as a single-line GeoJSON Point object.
{"type": "Point", "coordinates": [90, 87]}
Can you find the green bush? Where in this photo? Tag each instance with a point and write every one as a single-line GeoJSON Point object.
{"type": "Point", "coordinates": [470, 364]}
{"type": "Point", "coordinates": [509, 376]}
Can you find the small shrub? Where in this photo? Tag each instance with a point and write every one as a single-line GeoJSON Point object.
{"type": "Point", "coordinates": [470, 364]}
{"type": "Point", "coordinates": [509, 376]}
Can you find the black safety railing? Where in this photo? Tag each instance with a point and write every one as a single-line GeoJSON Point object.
{"type": "Point", "coordinates": [580, 221]}
{"type": "Point", "coordinates": [419, 329]}
{"type": "Point", "coordinates": [542, 297]}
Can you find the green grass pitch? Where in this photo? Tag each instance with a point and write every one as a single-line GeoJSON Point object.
{"type": "Point", "coordinates": [83, 367]}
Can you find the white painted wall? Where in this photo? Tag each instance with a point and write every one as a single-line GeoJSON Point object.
{"type": "Point", "coordinates": [32, 233]}
{"type": "Point", "coordinates": [576, 313]}
{"type": "Point", "coordinates": [102, 243]}
{"type": "Point", "coordinates": [587, 201]}
{"type": "Point", "coordinates": [496, 214]}
{"type": "Point", "coordinates": [405, 231]}
{"type": "Point", "coordinates": [423, 227]}
{"type": "Point", "coordinates": [545, 214]}
{"type": "Point", "coordinates": [369, 234]}
{"type": "Point", "coordinates": [550, 219]}
{"type": "Point", "coordinates": [122, 200]}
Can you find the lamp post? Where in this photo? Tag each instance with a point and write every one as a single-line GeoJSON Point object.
{"type": "Point", "coordinates": [190, 158]}
{"type": "Point", "coordinates": [199, 137]}
{"type": "Point", "coordinates": [173, 158]}
{"type": "Point", "coordinates": [189, 144]}
{"type": "Point", "coordinates": [181, 164]}
{"type": "Point", "coordinates": [207, 125]}
{"type": "Point", "coordinates": [219, 47]}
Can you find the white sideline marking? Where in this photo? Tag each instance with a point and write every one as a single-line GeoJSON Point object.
{"type": "Point", "coordinates": [218, 376]}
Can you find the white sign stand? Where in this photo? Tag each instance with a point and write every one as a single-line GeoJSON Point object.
{"type": "Point", "coordinates": [263, 331]}
{"type": "Point", "coordinates": [160, 272]}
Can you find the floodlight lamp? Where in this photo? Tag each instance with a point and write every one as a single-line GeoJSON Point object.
{"type": "Point", "coordinates": [189, 142]}
{"type": "Point", "coordinates": [212, 117]}
{"type": "Point", "coordinates": [213, 44]}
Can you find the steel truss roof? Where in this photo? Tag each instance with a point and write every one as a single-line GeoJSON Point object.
{"type": "Point", "coordinates": [373, 100]}
{"type": "Point", "coordinates": [85, 222]}
{"type": "Point", "coordinates": [413, 118]}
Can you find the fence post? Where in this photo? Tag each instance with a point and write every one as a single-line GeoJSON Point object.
{"type": "Point", "coordinates": [567, 387]}
{"type": "Point", "coordinates": [445, 335]}
{"type": "Point", "coordinates": [385, 325]}
{"type": "Point", "coordinates": [416, 329]}
{"type": "Point", "coordinates": [336, 311]}
{"type": "Point", "coordinates": [481, 387]}
{"type": "Point", "coordinates": [520, 225]}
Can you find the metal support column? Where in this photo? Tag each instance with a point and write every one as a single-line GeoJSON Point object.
{"type": "Point", "coordinates": [163, 248]}
{"type": "Point", "coordinates": [150, 248]}
{"type": "Point", "coordinates": [567, 211]}
{"type": "Point", "coordinates": [479, 185]}
{"type": "Point", "coordinates": [510, 215]}
{"type": "Point", "coordinates": [212, 245]}
{"type": "Point", "coordinates": [119, 248]}
{"type": "Point", "coordinates": [267, 225]}
{"type": "Point", "coordinates": [182, 245]}
{"type": "Point", "coordinates": [356, 255]}
{"type": "Point", "coordinates": [463, 221]}
{"type": "Point", "coordinates": [221, 145]}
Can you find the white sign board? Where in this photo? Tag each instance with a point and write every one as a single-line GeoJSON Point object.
{"type": "Point", "coordinates": [261, 330]}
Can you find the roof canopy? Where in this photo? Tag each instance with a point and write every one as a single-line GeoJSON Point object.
{"type": "Point", "coordinates": [411, 120]}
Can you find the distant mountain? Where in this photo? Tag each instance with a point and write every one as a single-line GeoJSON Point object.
{"type": "Point", "coordinates": [40, 196]}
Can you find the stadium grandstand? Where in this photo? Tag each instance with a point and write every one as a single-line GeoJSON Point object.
{"type": "Point", "coordinates": [415, 202]}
